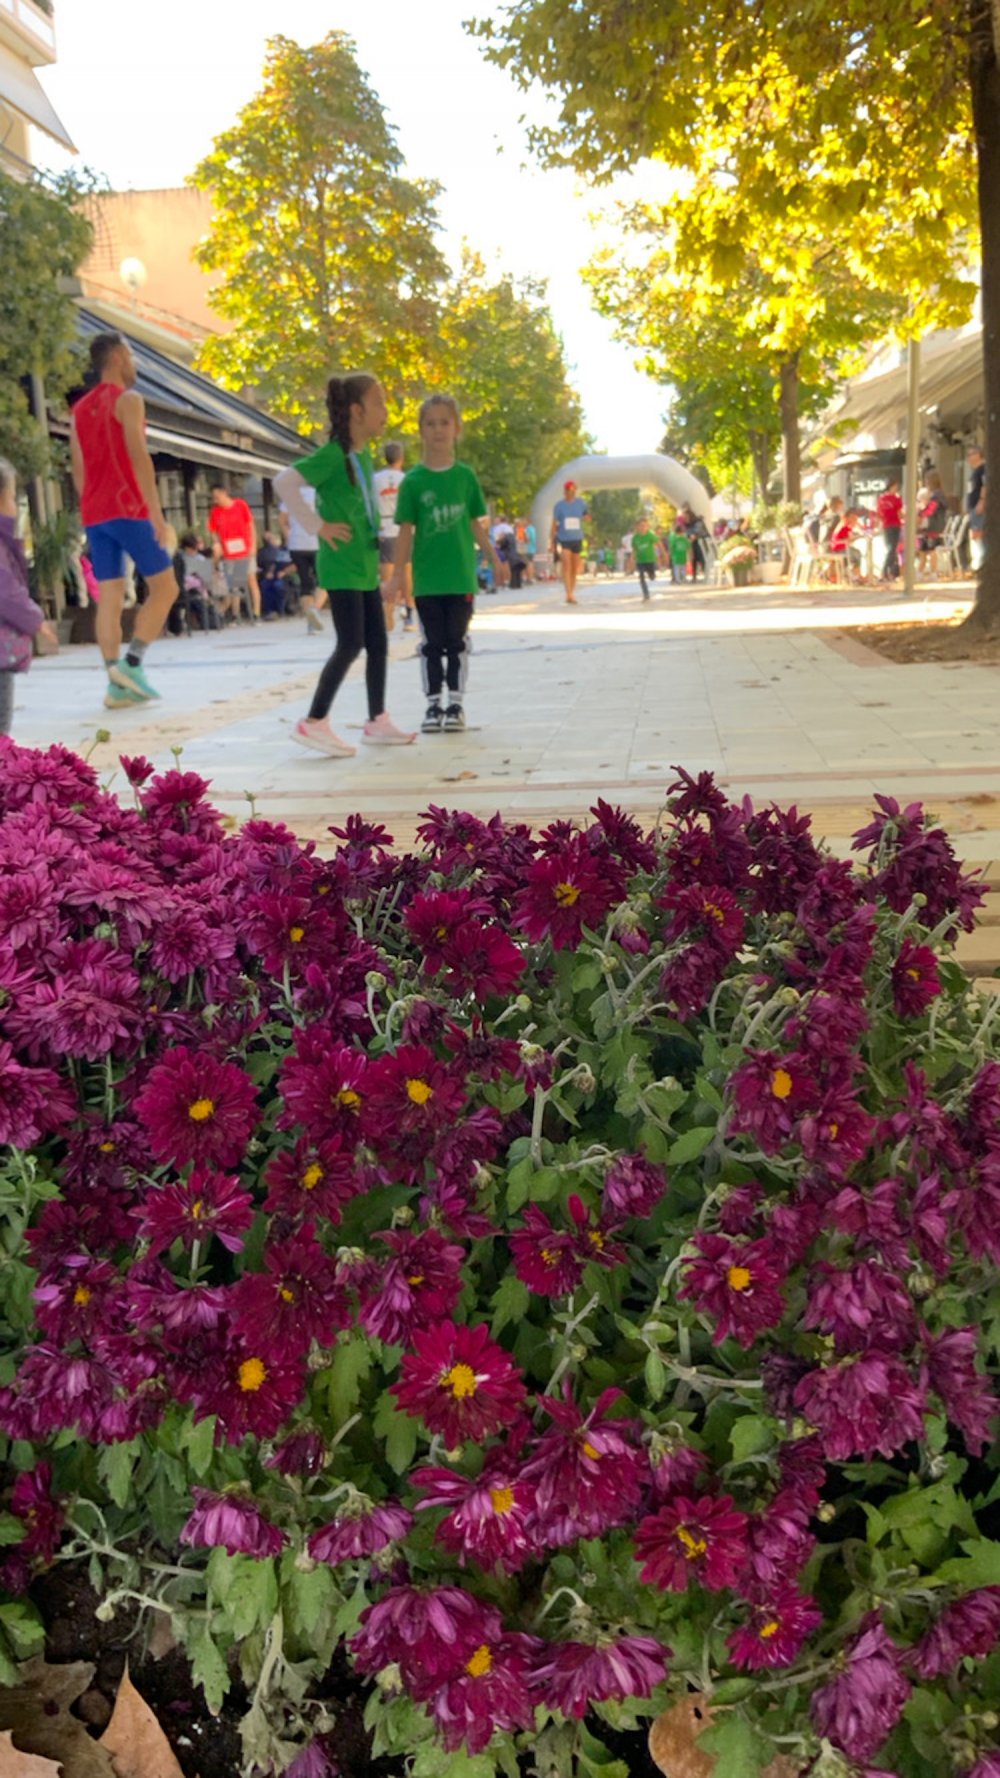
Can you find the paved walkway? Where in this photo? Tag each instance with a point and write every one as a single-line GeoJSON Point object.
{"type": "Point", "coordinates": [759, 687]}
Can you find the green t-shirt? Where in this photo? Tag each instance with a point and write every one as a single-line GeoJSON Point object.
{"type": "Point", "coordinates": [680, 546]}
{"type": "Point", "coordinates": [644, 546]}
{"type": "Point", "coordinates": [440, 504]}
{"type": "Point", "coordinates": [352, 566]}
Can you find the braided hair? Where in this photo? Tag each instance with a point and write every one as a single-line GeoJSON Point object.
{"type": "Point", "coordinates": [342, 393]}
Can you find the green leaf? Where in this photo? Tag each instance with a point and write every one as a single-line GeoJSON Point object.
{"type": "Point", "coordinates": [12, 1529]}
{"type": "Point", "coordinates": [656, 1375]}
{"type": "Point", "coordinates": [199, 1446]}
{"type": "Point", "coordinates": [740, 1751]}
{"type": "Point", "coordinates": [397, 1430]}
{"type": "Point", "coordinates": [509, 1302]}
{"type": "Point", "coordinates": [979, 1567]}
{"type": "Point", "coordinates": [311, 1591]}
{"type": "Point", "coordinates": [248, 1593]}
{"type": "Point", "coordinates": [115, 1467]}
{"type": "Point", "coordinates": [749, 1436]}
{"type": "Point", "coordinates": [431, 1762]}
{"type": "Point", "coordinates": [350, 1366]}
{"type": "Point", "coordinates": [22, 1626]}
{"type": "Point", "coordinates": [689, 1146]}
{"type": "Point", "coordinates": [208, 1669]}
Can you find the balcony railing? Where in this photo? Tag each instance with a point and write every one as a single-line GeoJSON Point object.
{"type": "Point", "coordinates": [27, 25]}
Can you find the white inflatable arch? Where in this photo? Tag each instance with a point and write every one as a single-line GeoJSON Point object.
{"type": "Point", "coordinates": [648, 473]}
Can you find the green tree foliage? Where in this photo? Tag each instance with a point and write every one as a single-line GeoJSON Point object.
{"type": "Point", "coordinates": [500, 355]}
{"type": "Point", "coordinates": [43, 239]}
{"type": "Point", "coordinates": [327, 252]}
{"type": "Point", "coordinates": [860, 134]}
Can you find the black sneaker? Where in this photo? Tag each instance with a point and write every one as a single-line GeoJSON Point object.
{"type": "Point", "coordinates": [433, 718]}
{"type": "Point", "coordinates": [454, 717]}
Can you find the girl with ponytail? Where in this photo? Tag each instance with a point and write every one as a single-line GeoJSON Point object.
{"type": "Point", "coordinates": [346, 521]}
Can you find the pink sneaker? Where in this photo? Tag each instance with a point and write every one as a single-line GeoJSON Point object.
{"type": "Point", "coordinates": [381, 731]}
{"type": "Point", "coordinates": [316, 733]}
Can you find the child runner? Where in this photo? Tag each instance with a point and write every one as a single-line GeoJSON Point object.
{"type": "Point", "coordinates": [441, 515]}
{"type": "Point", "coordinates": [346, 521]}
{"type": "Point", "coordinates": [387, 483]}
{"type": "Point", "coordinates": [680, 551]}
{"type": "Point", "coordinates": [644, 549]}
{"type": "Point", "coordinates": [120, 507]}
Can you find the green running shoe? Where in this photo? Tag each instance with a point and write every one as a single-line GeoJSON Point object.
{"type": "Point", "coordinates": [131, 679]}
{"type": "Point", "coordinates": [117, 698]}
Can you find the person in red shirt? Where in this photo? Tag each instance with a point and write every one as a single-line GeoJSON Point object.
{"type": "Point", "coordinates": [232, 525]}
{"type": "Point", "coordinates": [120, 507]}
{"type": "Point", "coordinates": [890, 511]}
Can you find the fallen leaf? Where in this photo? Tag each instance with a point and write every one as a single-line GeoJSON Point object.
{"type": "Point", "coordinates": [37, 1712]}
{"type": "Point", "coordinates": [24, 1765]}
{"type": "Point", "coordinates": [457, 777]}
{"type": "Point", "coordinates": [673, 1743]}
{"type": "Point", "coordinates": [135, 1740]}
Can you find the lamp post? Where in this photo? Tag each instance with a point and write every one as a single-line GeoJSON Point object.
{"type": "Point", "coordinates": [912, 472]}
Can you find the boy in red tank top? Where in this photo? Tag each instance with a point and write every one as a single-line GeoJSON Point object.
{"type": "Point", "coordinates": [120, 506]}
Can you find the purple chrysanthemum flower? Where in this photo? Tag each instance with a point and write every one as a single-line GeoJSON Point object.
{"type": "Point", "coordinates": [489, 1516]}
{"type": "Point", "coordinates": [571, 1676]}
{"type": "Point", "coordinates": [633, 1186]}
{"type": "Point", "coordinates": [232, 1522]}
{"type": "Point", "coordinates": [737, 1284]}
{"type": "Point", "coordinates": [360, 1533]}
{"type": "Point", "coordinates": [965, 1393]}
{"type": "Point", "coordinates": [863, 1406]}
{"type": "Point", "coordinates": [969, 1626]}
{"type": "Point", "coordinates": [859, 1708]}
{"type": "Point", "coordinates": [196, 1108]}
{"type": "Point", "coordinates": [424, 1632]}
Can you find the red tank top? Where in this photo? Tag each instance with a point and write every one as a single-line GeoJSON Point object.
{"type": "Point", "coordinates": [110, 488]}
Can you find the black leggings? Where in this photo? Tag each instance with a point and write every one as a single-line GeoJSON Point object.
{"type": "Point", "coordinates": [646, 572]}
{"type": "Point", "coordinates": [891, 535]}
{"type": "Point", "coordinates": [444, 621]}
{"type": "Point", "coordinates": [359, 621]}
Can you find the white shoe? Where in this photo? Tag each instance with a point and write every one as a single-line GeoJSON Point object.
{"type": "Point", "coordinates": [314, 625]}
{"type": "Point", "coordinates": [381, 731]}
{"type": "Point", "coordinates": [317, 734]}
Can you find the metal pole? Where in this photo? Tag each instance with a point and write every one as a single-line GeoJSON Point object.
{"type": "Point", "coordinates": [912, 472]}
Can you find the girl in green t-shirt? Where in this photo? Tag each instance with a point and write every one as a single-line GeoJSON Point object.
{"type": "Point", "coordinates": [346, 521]}
{"type": "Point", "coordinates": [441, 516]}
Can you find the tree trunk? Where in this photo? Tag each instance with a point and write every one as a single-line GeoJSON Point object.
{"type": "Point", "coordinates": [788, 400]}
{"type": "Point", "coordinates": [760, 453]}
{"type": "Point", "coordinates": [984, 76]}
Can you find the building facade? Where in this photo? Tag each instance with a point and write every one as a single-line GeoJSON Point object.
{"type": "Point", "coordinates": [27, 42]}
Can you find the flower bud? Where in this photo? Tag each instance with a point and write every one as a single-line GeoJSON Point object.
{"type": "Point", "coordinates": [103, 735]}
{"type": "Point", "coordinates": [403, 1216]}
{"type": "Point", "coordinates": [105, 1612]}
{"type": "Point", "coordinates": [826, 1512]}
{"type": "Point", "coordinates": [583, 1077]}
{"type": "Point", "coordinates": [990, 1719]}
{"type": "Point", "coordinates": [523, 1002]}
{"type": "Point", "coordinates": [390, 1679]}
{"type": "Point", "coordinates": [375, 980]}
{"type": "Point", "coordinates": [304, 1562]}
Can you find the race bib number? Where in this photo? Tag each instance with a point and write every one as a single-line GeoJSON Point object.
{"type": "Point", "coordinates": [571, 524]}
{"type": "Point", "coordinates": [236, 546]}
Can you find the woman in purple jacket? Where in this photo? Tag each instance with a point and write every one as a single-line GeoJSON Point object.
{"type": "Point", "coordinates": [20, 617]}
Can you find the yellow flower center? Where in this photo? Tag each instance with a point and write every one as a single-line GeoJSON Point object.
{"type": "Point", "coordinates": [82, 1296]}
{"type": "Point", "coordinates": [349, 1099]}
{"type": "Point", "coordinates": [596, 1239]}
{"type": "Point", "coordinates": [440, 932]}
{"type": "Point", "coordinates": [107, 1148]}
{"type": "Point", "coordinates": [502, 1500]}
{"type": "Point", "coordinates": [590, 1451]}
{"type": "Point", "coordinates": [781, 1083]}
{"type": "Point", "coordinates": [738, 1278]}
{"type": "Point", "coordinates": [480, 1664]}
{"type": "Point", "coordinates": [312, 1177]}
{"type": "Point", "coordinates": [286, 1295]}
{"type": "Point", "coordinates": [198, 1209]}
{"type": "Point", "coordinates": [833, 1131]}
{"type": "Point", "coordinates": [418, 1092]}
{"type": "Point", "coordinates": [548, 1256]}
{"type": "Point", "coordinates": [251, 1376]}
{"type": "Point", "coordinates": [202, 1110]}
{"type": "Point", "coordinates": [324, 889]}
{"type": "Point", "coordinates": [693, 1547]}
{"type": "Point", "coordinates": [296, 934]}
{"type": "Point", "coordinates": [769, 1630]}
{"type": "Point", "coordinates": [913, 975]}
{"type": "Point", "coordinates": [566, 894]}
{"type": "Point", "coordinates": [461, 1380]}
{"type": "Point", "coordinates": [712, 912]}
{"type": "Point", "coordinates": [415, 1278]}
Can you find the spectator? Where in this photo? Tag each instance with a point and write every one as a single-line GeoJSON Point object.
{"type": "Point", "coordinates": [890, 511]}
{"type": "Point", "coordinates": [194, 577]}
{"type": "Point", "coordinates": [20, 618]}
{"type": "Point", "coordinates": [933, 516]}
{"type": "Point", "coordinates": [275, 563]}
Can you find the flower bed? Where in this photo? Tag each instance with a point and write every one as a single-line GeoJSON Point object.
{"type": "Point", "coordinates": [558, 1272]}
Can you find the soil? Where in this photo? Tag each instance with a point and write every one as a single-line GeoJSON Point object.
{"type": "Point", "coordinates": [208, 1746]}
{"type": "Point", "coordinates": [943, 640]}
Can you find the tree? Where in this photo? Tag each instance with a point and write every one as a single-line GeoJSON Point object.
{"type": "Point", "coordinates": [44, 238]}
{"type": "Point", "coordinates": [740, 384]}
{"type": "Point", "coordinates": [872, 124]}
{"type": "Point", "coordinates": [501, 356]}
{"type": "Point", "coordinates": [327, 253]}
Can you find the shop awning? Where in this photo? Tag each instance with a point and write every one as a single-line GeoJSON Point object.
{"type": "Point", "coordinates": [195, 450]}
{"type": "Point", "coordinates": [21, 89]}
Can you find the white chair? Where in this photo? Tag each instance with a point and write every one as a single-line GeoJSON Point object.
{"type": "Point", "coordinates": [950, 547]}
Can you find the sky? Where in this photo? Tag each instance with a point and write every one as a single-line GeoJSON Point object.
{"type": "Point", "coordinates": [144, 106]}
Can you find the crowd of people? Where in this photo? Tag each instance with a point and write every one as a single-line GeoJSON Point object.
{"type": "Point", "coordinates": [367, 542]}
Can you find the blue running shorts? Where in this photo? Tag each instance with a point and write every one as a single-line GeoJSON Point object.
{"type": "Point", "coordinates": [115, 539]}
